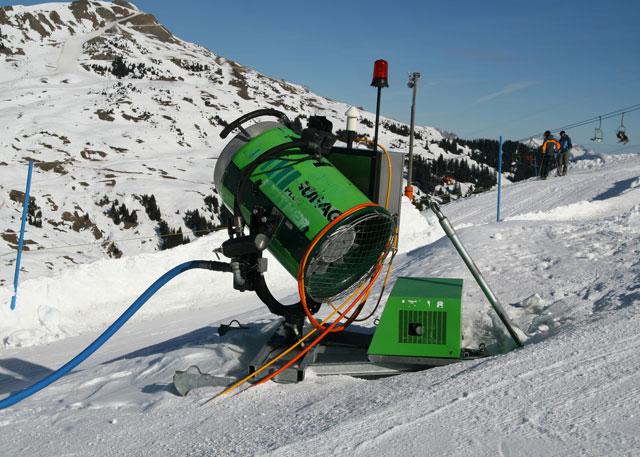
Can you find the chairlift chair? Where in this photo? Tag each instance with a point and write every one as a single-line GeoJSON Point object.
{"type": "Point", "coordinates": [621, 133]}
{"type": "Point", "coordinates": [597, 133]}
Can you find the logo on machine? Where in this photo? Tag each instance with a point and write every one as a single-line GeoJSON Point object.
{"type": "Point", "coordinates": [282, 175]}
{"type": "Point", "coordinates": [312, 195]}
{"type": "Point", "coordinates": [439, 304]}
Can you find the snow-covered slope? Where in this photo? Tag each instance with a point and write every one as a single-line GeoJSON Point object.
{"type": "Point", "coordinates": [564, 263]}
{"type": "Point", "coordinates": [97, 139]}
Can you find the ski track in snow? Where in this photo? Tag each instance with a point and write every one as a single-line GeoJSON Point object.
{"type": "Point", "coordinates": [72, 49]}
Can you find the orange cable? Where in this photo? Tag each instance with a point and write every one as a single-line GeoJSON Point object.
{"type": "Point", "coordinates": [282, 354]}
{"type": "Point", "coordinates": [323, 334]}
{"type": "Point", "coordinates": [303, 262]}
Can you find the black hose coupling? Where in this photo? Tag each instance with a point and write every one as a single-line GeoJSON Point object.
{"type": "Point", "coordinates": [214, 265]}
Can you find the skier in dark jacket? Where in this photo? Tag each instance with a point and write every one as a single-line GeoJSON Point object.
{"type": "Point", "coordinates": [547, 150]}
{"type": "Point", "coordinates": [565, 147]}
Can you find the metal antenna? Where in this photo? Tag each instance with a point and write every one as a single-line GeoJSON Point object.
{"type": "Point", "coordinates": [412, 84]}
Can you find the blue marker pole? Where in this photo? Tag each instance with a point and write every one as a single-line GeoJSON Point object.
{"type": "Point", "coordinates": [499, 178]}
{"type": "Point", "coordinates": [25, 210]}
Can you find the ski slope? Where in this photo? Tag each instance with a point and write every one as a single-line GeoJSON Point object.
{"type": "Point", "coordinates": [564, 262]}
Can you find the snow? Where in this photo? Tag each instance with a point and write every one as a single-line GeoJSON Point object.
{"type": "Point", "coordinates": [572, 283]}
{"type": "Point", "coordinates": [564, 262]}
{"type": "Point", "coordinates": [56, 307]}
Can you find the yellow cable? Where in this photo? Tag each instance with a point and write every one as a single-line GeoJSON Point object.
{"type": "Point", "coordinates": [288, 350]}
{"type": "Point", "coordinates": [285, 352]}
{"type": "Point", "coordinates": [394, 251]}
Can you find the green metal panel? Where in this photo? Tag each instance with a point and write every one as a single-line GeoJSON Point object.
{"type": "Point", "coordinates": [359, 166]}
{"type": "Point", "coordinates": [422, 318]}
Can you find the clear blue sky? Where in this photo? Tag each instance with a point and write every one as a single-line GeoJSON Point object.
{"type": "Point", "coordinates": [510, 67]}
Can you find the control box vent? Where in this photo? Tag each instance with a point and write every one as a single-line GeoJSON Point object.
{"type": "Point", "coordinates": [422, 327]}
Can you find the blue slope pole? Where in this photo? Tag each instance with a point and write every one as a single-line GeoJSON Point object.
{"type": "Point", "coordinates": [499, 178]}
{"type": "Point", "coordinates": [25, 210]}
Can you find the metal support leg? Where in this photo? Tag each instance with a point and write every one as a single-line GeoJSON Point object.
{"type": "Point", "coordinates": [473, 268]}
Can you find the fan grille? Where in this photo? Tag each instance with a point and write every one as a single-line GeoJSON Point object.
{"type": "Point", "coordinates": [348, 255]}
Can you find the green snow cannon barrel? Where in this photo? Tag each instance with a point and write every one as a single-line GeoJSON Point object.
{"type": "Point", "coordinates": [308, 195]}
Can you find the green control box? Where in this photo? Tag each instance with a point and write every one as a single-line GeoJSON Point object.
{"type": "Point", "coordinates": [422, 319]}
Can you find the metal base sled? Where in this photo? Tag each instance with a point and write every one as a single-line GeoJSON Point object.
{"type": "Point", "coordinates": [193, 378]}
{"type": "Point", "coordinates": [342, 353]}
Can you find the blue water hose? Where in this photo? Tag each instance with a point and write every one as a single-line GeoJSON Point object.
{"type": "Point", "coordinates": [112, 329]}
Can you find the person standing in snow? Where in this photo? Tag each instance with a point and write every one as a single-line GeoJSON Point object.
{"type": "Point", "coordinates": [565, 146]}
{"type": "Point", "coordinates": [547, 150]}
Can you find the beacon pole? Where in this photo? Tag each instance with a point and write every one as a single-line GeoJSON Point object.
{"type": "Point", "coordinates": [380, 80]}
{"type": "Point", "coordinates": [412, 84]}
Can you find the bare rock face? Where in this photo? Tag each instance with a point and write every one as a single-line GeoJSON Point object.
{"type": "Point", "coordinates": [147, 24]}
{"type": "Point", "coordinates": [124, 4]}
{"type": "Point", "coordinates": [81, 9]}
{"type": "Point", "coordinates": [84, 15]}
{"type": "Point", "coordinates": [4, 18]}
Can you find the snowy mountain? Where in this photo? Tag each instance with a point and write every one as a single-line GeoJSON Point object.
{"type": "Point", "coordinates": [111, 107]}
{"type": "Point", "coordinates": [564, 262]}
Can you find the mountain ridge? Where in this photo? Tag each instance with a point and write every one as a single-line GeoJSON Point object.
{"type": "Point", "coordinates": [112, 107]}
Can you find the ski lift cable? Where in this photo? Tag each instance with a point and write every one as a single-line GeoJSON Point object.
{"type": "Point", "coordinates": [599, 117]}
{"type": "Point", "coordinates": [608, 116]}
{"type": "Point", "coordinates": [628, 109]}
{"type": "Point", "coordinates": [587, 121]}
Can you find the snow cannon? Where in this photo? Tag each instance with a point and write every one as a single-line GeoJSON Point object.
{"type": "Point", "coordinates": [283, 194]}
{"type": "Point", "coordinates": [275, 179]}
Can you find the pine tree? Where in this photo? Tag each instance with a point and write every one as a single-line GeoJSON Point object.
{"type": "Point", "coordinates": [113, 213]}
{"type": "Point", "coordinates": [118, 68]}
{"type": "Point", "coordinates": [170, 238]}
{"type": "Point", "coordinates": [151, 207]}
{"type": "Point", "coordinates": [197, 223]}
